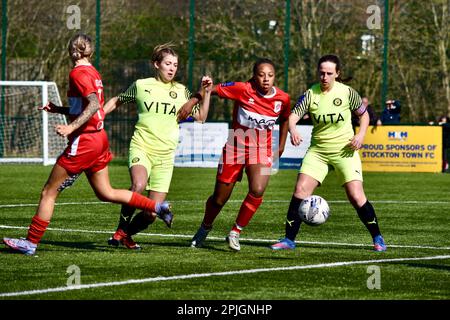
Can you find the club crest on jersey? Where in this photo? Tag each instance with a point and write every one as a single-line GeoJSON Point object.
{"type": "Point", "coordinates": [277, 106]}
{"type": "Point", "coordinates": [173, 94]}
{"type": "Point", "coordinates": [337, 102]}
{"type": "Point", "coordinates": [135, 160]}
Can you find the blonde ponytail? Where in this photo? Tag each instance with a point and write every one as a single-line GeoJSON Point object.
{"type": "Point", "coordinates": [80, 46]}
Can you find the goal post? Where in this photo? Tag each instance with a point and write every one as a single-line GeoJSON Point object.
{"type": "Point", "coordinates": [27, 134]}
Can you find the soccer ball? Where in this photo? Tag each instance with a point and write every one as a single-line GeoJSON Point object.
{"type": "Point", "coordinates": [314, 210]}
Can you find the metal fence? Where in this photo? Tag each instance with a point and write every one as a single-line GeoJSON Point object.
{"type": "Point", "coordinates": [375, 40]}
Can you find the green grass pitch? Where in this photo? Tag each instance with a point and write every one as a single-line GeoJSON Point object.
{"type": "Point", "coordinates": [334, 261]}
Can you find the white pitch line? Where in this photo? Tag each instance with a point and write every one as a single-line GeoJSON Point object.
{"type": "Point", "coordinates": [214, 274]}
{"type": "Point", "coordinates": [20, 205]}
{"type": "Point", "coordinates": [241, 239]}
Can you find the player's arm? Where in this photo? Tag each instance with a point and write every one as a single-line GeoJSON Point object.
{"type": "Point", "coordinates": [53, 108]}
{"type": "Point", "coordinates": [111, 105]}
{"type": "Point", "coordinates": [357, 141]}
{"type": "Point", "coordinates": [299, 110]}
{"type": "Point", "coordinates": [202, 112]}
{"type": "Point", "coordinates": [284, 127]}
{"type": "Point", "coordinates": [127, 96]}
{"type": "Point", "coordinates": [92, 107]}
{"type": "Point", "coordinates": [364, 119]}
{"type": "Point", "coordinates": [186, 109]}
{"type": "Point", "coordinates": [296, 138]}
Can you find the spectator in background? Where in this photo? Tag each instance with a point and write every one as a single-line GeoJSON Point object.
{"type": "Point", "coordinates": [442, 120]}
{"type": "Point", "coordinates": [391, 113]}
{"type": "Point", "coordinates": [373, 118]}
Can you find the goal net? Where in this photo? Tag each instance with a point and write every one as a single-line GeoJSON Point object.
{"type": "Point", "coordinates": [26, 133]}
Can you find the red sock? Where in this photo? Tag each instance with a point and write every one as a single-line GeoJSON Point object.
{"type": "Point", "coordinates": [37, 229]}
{"type": "Point", "coordinates": [237, 228]}
{"type": "Point", "coordinates": [140, 202]}
{"type": "Point", "coordinates": [248, 209]}
{"type": "Point", "coordinates": [211, 212]}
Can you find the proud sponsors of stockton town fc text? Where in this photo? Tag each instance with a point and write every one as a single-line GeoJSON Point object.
{"type": "Point", "coordinates": [233, 310]}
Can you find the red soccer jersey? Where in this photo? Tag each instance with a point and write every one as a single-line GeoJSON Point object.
{"type": "Point", "coordinates": [84, 80]}
{"type": "Point", "coordinates": [253, 110]}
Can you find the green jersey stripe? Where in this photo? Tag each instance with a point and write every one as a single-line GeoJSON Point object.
{"type": "Point", "coordinates": [355, 100]}
{"type": "Point", "coordinates": [129, 95]}
{"type": "Point", "coordinates": [302, 105]}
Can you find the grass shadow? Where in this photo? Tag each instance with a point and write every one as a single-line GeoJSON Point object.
{"type": "Point", "coordinates": [428, 266]}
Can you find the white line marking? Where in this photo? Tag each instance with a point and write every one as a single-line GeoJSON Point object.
{"type": "Point", "coordinates": [19, 205]}
{"type": "Point", "coordinates": [222, 238]}
{"type": "Point", "coordinates": [214, 274]}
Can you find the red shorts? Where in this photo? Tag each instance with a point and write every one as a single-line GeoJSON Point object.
{"type": "Point", "coordinates": [88, 152]}
{"type": "Point", "coordinates": [233, 161]}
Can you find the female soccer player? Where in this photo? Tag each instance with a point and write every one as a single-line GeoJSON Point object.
{"type": "Point", "coordinates": [153, 145]}
{"type": "Point", "coordinates": [258, 104]}
{"type": "Point", "coordinates": [87, 150]}
{"type": "Point", "coordinates": [333, 142]}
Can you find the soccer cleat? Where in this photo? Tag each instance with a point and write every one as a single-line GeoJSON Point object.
{"type": "Point", "coordinates": [116, 238]}
{"type": "Point", "coordinates": [120, 237]}
{"type": "Point", "coordinates": [283, 244]}
{"type": "Point", "coordinates": [233, 240]}
{"type": "Point", "coordinates": [378, 243]}
{"type": "Point", "coordinates": [130, 243]}
{"type": "Point", "coordinates": [199, 237]}
{"type": "Point", "coordinates": [165, 214]}
{"type": "Point", "coordinates": [21, 245]}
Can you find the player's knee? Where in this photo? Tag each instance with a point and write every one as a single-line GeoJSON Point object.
{"type": "Point", "coordinates": [138, 186]}
{"type": "Point", "coordinates": [218, 201]}
{"type": "Point", "coordinates": [48, 192]}
{"type": "Point", "coordinates": [257, 192]}
{"type": "Point", "coordinates": [102, 197]}
{"type": "Point", "coordinates": [106, 195]}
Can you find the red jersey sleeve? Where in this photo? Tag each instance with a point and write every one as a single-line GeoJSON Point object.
{"type": "Point", "coordinates": [230, 90]}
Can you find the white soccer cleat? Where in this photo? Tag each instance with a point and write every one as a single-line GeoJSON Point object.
{"type": "Point", "coordinates": [233, 241]}
{"type": "Point", "coordinates": [21, 245]}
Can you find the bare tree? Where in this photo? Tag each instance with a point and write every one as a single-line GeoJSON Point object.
{"type": "Point", "coordinates": [441, 19]}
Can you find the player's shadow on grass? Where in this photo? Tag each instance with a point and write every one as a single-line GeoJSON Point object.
{"type": "Point", "coordinates": [83, 245]}
{"type": "Point", "coordinates": [66, 244]}
{"type": "Point", "coordinates": [209, 245]}
{"type": "Point", "coordinates": [302, 246]}
{"type": "Point", "coordinates": [9, 251]}
{"type": "Point", "coordinates": [428, 266]}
